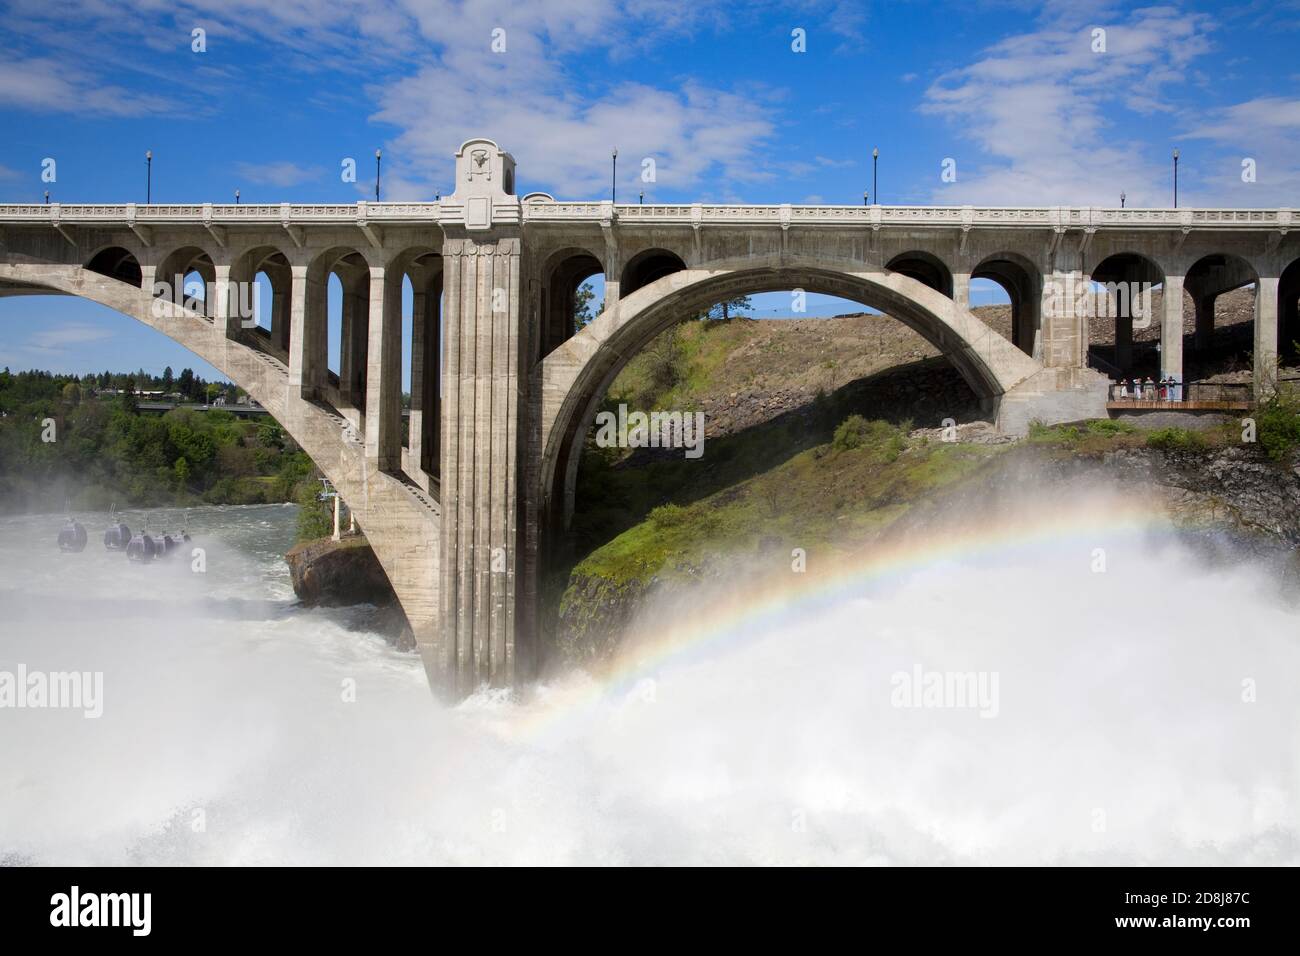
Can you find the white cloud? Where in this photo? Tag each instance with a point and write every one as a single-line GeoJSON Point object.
{"type": "Point", "coordinates": [47, 85]}
{"type": "Point", "coordinates": [283, 174]}
{"type": "Point", "coordinates": [563, 141]}
{"type": "Point", "coordinates": [1266, 131]}
{"type": "Point", "coordinates": [1041, 106]}
{"type": "Point", "coordinates": [456, 87]}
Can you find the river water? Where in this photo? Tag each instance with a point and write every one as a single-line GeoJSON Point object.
{"type": "Point", "coordinates": [1142, 717]}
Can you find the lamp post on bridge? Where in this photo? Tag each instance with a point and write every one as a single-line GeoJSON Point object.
{"type": "Point", "coordinates": [1122, 197]}
{"type": "Point", "coordinates": [377, 155]}
{"type": "Point", "coordinates": [148, 176]}
{"type": "Point", "coordinates": [613, 178]}
{"type": "Point", "coordinates": [875, 159]}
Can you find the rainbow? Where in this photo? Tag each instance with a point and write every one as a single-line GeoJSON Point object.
{"type": "Point", "coordinates": [759, 607]}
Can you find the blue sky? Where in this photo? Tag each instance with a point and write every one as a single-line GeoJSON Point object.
{"type": "Point", "coordinates": [714, 92]}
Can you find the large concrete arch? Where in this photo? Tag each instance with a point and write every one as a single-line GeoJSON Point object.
{"type": "Point", "coordinates": [579, 372]}
{"type": "Point", "coordinates": [401, 522]}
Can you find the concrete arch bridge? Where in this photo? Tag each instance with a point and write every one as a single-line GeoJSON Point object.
{"type": "Point", "coordinates": [460, 508]}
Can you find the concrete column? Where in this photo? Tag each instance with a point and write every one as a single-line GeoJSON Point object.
{"type": "Point", "coordinates": [613, 270]}
{"type": "Point", "coordinates": [1123, 336]}
{"type": "Point", "coordinates": [1026, 311]}
{"type": "Point", "coordinates": [961, 289]}
{"type": "Point", "coordinates": [384, 373]}
{"type": "Point", "coordinates": [1171, 329]}
{"type": "Point", "coordinates": [314, 334]}
{"type": "Point", "coordinates": [1204, 322]}
{"type": "Point", "coordinates": [419, 334]}
{"type": "Point", "coordinates": [281, 302]}
{"type": "Point", "coordinates": [352, 348]}
{"type": "Point", "coordinates": [481, 459]}
{"type": "Point", "coordinates": [1064, 334]}
{"type": "Point", "coordinates": [223, 316]}
{"type": "Point", "coordinates": [425, 383]}
{"type": "Point", "coordinates": [299, 362]}
{"type": "Point", "coordinates": [1265, 337]}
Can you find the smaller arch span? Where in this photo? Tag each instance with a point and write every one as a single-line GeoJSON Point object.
{"type": "Point", "coordinates": [926, 268]}
{"type": "Point", "coordinates": [647, 266]}
{"type": "Point", "coordinates": [1022, 280]}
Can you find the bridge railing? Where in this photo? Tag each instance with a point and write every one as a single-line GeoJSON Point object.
{"type": "Point", "coordinates": [1058, 217]}
{"type": "Point", "coordinates": [221, 213]}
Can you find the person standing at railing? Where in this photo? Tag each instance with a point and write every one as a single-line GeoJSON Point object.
{"type": "Point", "coordinates": [1149, 390]}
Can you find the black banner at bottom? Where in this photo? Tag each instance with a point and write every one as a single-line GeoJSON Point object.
{"type": "Point", "coordinates": [1160, 906]}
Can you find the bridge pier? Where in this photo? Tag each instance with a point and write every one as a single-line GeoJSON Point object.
{"type": "Point", "coordinates": [1265, 376]}
{"type": "Point", "coordinates": [1171, 329]}
{"type": "Point", "coordinates": [482, 453]}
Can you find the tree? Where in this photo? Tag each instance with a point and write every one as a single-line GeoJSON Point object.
{"type": "Point", "coordinates": [128, 397]}
{"type": "Point", "coordinates": [583, 312]}
{"type": "Point", "coordinates": [728, 309]}
{"type": "Point", "coordinates": [167, 380]}
{"type": "Point", "coordinates": [186, 382]}
{"type": "Point", "coordinates": [72, 394]}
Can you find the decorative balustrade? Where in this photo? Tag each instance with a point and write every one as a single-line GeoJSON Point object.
{"type": "Point", "coordinates": [550, 211]}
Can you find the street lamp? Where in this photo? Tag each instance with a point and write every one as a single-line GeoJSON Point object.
{"type": "Point", "coordinates": [864, 197]}
{"type": "Point", "coordinates": [1122, 197]}
{"type": "Point", "coordinates": [613, 180]}
{"type": "Point", "coordinates": [1175, 178]}
{"type": "Point", "coordinates": [236, 197]}
{"type": "Point", "coordinates": [875, 158]}
{"type": "Point", "coordinates": [377, 175]}
{"type": "Point", "coordinates": [641, 202]}
{"type": "Point", "coordinates": [148, 176]}
{"type": "Point", "coordinates": [47, 197]}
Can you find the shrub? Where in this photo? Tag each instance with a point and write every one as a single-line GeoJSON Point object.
{"type": "Point", "coordinates": [853, 432]}
{"type": "Point", "coordinates": [668, 516]}
{"type": "Point", "coordinates": [1062, 434]}
{"type": "Point", "coordinates": [1277, 424]}
{"type": "Point", "coordinates": [315, 518]}
{"type": "Point", "coordinates": [1175, 439]}
{"type": "Point", "coordinates": [1110, 426]}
